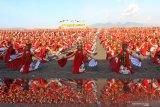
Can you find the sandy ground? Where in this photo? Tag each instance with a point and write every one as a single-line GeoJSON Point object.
{"type": "Point", "coordinates": [52, 70]}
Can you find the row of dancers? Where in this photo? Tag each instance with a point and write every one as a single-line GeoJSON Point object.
{"type": "Point", "coordinates": [123, 46]}
{"type": "Point", "coordinates": [55, 92]}
{"type": "Point", "coordinates": [28, 57]}
{"type": "Point", "coordinates": [126, 92]}
{"type": "Point", "coordinates": [79, 92]}
{"type": "Point", "coordinates": [128, 45]}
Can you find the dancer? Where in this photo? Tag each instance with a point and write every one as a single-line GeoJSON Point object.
{"type": "Point", "coordinates": [9, 52]}
{"type": "Point", "coordinates": [157, 54]}
{"type": "Point", "coordinates": [80, 58]}
{"type": "Point", "coordinates": [28, 65]}
{"type": "Point", "coordinates": [123, 63]}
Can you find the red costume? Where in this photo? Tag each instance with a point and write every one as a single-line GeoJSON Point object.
{"type": "Point", "coordinates": [16, 63]}
{"type": "Point", "coordinates": [42, 53]}
{"type": "Point", "coordinates": [8, 54]}
{"type": "Point", "coordinates": [27, 62]}
{"type": "Point", "coordinates": [62, 62]}
{"type": "Point", "coordinates": [157, 55]}
{"type": "Point", "coordinates": [79, 59]}
{"type": "Point", "coordinates": [127, 61]}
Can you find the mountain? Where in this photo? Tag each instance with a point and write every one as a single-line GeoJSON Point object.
{"type": "Point", "coordinates": [17, 28]}
{"type": "Point", "coordinates": [97, 25]}
{"type": "Point", "coordinates": [127, 24]}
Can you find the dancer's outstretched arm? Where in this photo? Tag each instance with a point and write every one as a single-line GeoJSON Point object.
{"type": "Point", "coordinates": [68, 50]}
{"type": "Point", "coordinates": [20, 56]}
{"type": "Point", "coordinates": [71, 55]}
{"type": "Point", "coordinates": [92, 54]}
{"type": "Point", "coordinates": [36, 56]}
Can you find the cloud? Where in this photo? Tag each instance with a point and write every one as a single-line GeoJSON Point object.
{"type": "Point", "coordinates": [130, 10]}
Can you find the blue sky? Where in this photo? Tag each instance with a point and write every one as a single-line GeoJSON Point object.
{"type": "Point", "coordinates": [47, 13]}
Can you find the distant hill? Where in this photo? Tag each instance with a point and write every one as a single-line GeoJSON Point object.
{"type": "Point", "coordinates": [96, 25]}
{"type": "Point", "coordinates": [12, 28]}
{"type": "Point", "coordinates": [127, 24]}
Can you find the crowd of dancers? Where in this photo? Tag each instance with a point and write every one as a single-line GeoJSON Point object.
{"type": "Point", "coordinates": [25, 50]}
{"type": "Point", "coordinates": [126, 45]}
{"type": "Point", "coordinates": [57, 92]}
{"type": "Point", "coordinates": [119, 92]}
{"type": "Point", "coordinates": [78, 92]}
